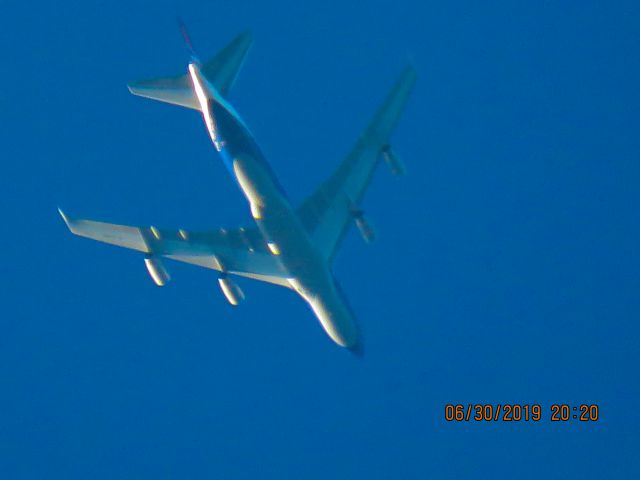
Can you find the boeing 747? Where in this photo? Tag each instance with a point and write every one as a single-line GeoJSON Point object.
{"type": "Point", "coordinates": [287, 246]}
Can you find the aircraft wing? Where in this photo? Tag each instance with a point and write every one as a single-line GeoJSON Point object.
{"type": "Point", "coordinates": [240, 251]}
{"type": "Point", "coordinates": [327, 213]}
{"type": "Point", "coordinates": [222, 71]}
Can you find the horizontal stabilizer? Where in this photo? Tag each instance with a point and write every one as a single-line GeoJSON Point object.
{"type": "Point", "coordinates": [174, 90]}
{"type": "Point", "coordinates": [221, 71]}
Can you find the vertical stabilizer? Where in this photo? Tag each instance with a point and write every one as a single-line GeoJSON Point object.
{"type": "Point", "coordinates": [221, 72]}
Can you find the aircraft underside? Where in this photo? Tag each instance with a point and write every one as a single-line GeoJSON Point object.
{"type": "Point", "coordinates": [290, 247]}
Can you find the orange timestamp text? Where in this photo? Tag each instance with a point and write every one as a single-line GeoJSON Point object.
{"type": "Point", "coordinates": [516, 412]}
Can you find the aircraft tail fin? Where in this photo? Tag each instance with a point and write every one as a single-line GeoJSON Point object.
{"type": "Point", "coordinates": [221, 71]}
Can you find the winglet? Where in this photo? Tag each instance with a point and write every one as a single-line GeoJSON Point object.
{"type": "Point", "coordinates": [73, 225]}
{"type": "Point", "coordinates": [66, 219]}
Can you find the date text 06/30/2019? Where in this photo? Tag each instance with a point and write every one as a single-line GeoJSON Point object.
{"type": "Point", "coordinates": [516, 412]}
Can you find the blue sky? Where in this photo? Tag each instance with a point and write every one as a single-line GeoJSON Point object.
{"type": "Point", "coordinates": [505, 270]}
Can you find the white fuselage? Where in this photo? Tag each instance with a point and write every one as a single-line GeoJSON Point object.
{"type": "Point", "coordinates": [284, 234]}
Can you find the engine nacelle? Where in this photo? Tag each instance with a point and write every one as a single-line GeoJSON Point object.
{"type": "Point", "coordinates": [156, 270]}
{"type": "Point", "coordinates": [231, 290]}
{"type": "Point", "coordinates": [365, 228]}
{"type": "Point", "coordinates": [392, 160]}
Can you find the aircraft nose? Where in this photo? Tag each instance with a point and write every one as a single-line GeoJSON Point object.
{"type": "Point", "coordinates": [357, 349]}
{"type": "Point", "coordinates": [338, 322]}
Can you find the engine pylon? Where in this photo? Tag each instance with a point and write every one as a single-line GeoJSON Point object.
{"type": "Point", "coordinates": [392, 160]}
{"type": "Point", "coordinates": [232, 292]}
{"type": "Point", "coordinates": [365, 228]}
{"type": "Point", "coordinates": [156, 270]}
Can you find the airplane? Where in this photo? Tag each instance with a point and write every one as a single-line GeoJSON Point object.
{"type": "Point", "coordinates": [288, 246]}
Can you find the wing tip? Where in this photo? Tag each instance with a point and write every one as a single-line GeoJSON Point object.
{"type": "Point", "coordinates": [67, 220]}
{"type": "Point", "coordinates": [246, 34]}
{"type": "Point", "coordinates": [410, 73]}
{"type": "Point", "coordinates": [136, 88]}
{"type": "Point", "coordinates": [64, 216]}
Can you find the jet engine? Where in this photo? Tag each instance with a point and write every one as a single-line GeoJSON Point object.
{"type": "Point", "coordinates": [231, 290]}
{"type": "Point", "coordinates": [391, 159]}
{"type": "Point", "coordinates": [156, 270]}
{"type": "Point", "coordinates": [366, 230]}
